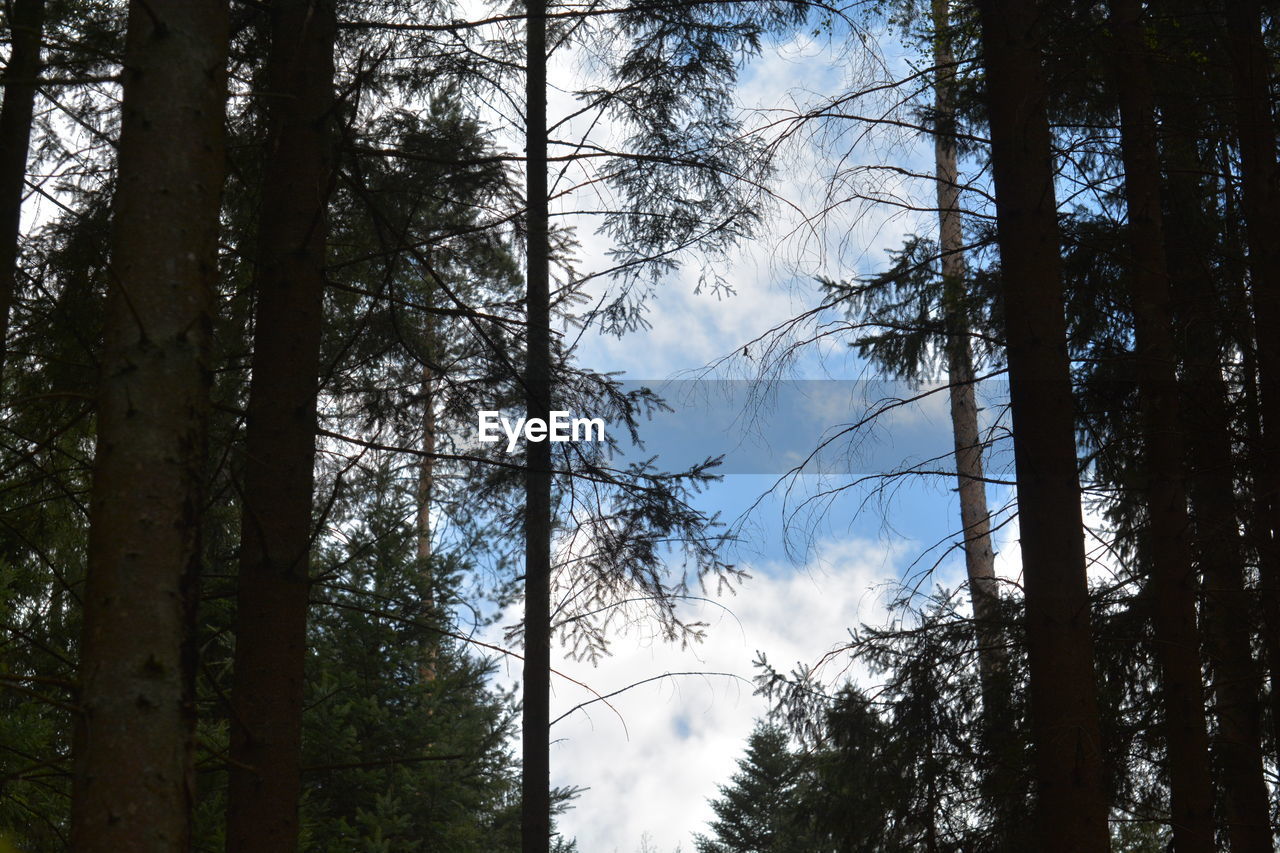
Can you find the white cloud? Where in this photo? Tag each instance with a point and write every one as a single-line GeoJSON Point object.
{"type": "Point", "coordinates": [653, 765]}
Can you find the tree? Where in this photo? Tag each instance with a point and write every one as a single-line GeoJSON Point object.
{"type": "Point", "coordinates": [757, 811]}
{"type": "Point", "coordinates": [918, 316]}
{"type": "Point", "coordinates": [394, 754]}
{"type": "Point", "coordinates": [1071, 807]}
{"type": "Point", "coordinates": [133, 767]}
{"type": "Point", "coordinates": [1143, 230]}
{"type": "Point", "coordinates": [1218, 547]}
{"type": "Point", "coordinates": [535, 814]}
{"type": "Point", "coordinates": [1172, 577]}
{"type": "Point", "coordinates": [26, 27]}
{"type": "Point", "coordinates": [974, 516]}
{"type": "Point", "coordinates": [669, 74]}
{"type": "Point", "coordinates": [276, 521]}
{"type": "Point", "coordinates": [921, 312]}
{"type": "Point", "coordinates": [1254, 127]}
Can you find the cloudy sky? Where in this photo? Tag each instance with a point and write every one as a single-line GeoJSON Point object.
{"type": "Point", "coordinates": [651, 758]}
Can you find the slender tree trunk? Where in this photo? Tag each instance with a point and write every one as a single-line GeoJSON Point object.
{"type": "Point", "coordinates": [975, 518]}
{"type": "Point", "coordinates": [535, 815]}
{"type": "Point", "coordinates": [426, 484]}
{"type": "Point", "coordinates": [1260, 195]}
{"type": "Point", "coordinates": [1172, 578]}
{"type": "Point", "coordinates": [979, 557]}
{"type": "Point", "coordinates": [1235, 679]}
{"type": "Point", "coordinates": [1071, 807]}
{"type": "Point", "coordinates": [27, 28]}
{"type": "Point", "coordinates": [426, 465]}
{"type": "Point", "coordinates": [133, 779]}
{"type": "Point", "coordinates": [535, 819]}
{"type": "Point", "coordinates": [271, 614]}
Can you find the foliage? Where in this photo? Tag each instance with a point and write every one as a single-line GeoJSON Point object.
{"type": "Point", "coordinates": [756, 812]}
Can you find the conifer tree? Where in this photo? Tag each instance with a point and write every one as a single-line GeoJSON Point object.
{"type": "Point", "coordinates": [1071, 806]}
{"type": "Point", "coordinates": [1252, 66]}
{"type": "Point", "coordinates": [276, 520]}
{"type": "Point", "coordinates": [26, 27]}
{"type": "Point", "coordinates": [975, 517]}
{"type": "Point", "coordinates": [756, 811]}
{"type": "Point", "coordinates": [133, 782]}
{"type": "Point", "coordinates": [1177, 637]}
{"type": "Point", "coordinates": [1217, 543]}
{"type": "Point", "coordinates": [535, 815]}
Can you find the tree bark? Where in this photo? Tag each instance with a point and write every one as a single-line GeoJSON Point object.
{"type": "Point", "coordinates": [425, 487]}
{"type": "Point", "coordinates": [133, 777]}
{"type": "Point", "coordinates": [1071, 803]}
{"type": "Point", "coordinates": [426, 465]}
{"type": "Point", "coordinates": [979, 557]}
{"type": "Point", "coordinates": [1255, 129]}
{"type": "Point", "coordinates": [535, 815]}
{"type": "Point", "coordinates": [1235, 678]}
{"type": "Point", "coordinates": [1172, 578]}
{"type": "Point", "coordinates": [975, 517]}
{"type": "Point", "coordinates": [20, 74]}
{"type": "Point", "coordinates": [276, 519]}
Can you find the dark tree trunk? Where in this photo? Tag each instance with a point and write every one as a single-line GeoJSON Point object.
{"type": "Point", "coordinates": [133, 783]}
{"type": "Point", "coordinates": [271, 613]}
{"type": "Point", "coordinates": [1260, 196]}
{"type": "Point", "coordinates": [535, 815]}
{"type": "Point", "coordinates": [1172, 579]}
{"type": "Point", "coordinates": [1071, 803]}
{"type": "Point", "coordinates": [1235, 678]}
{"type": "Point", "coordinates": [27, 28]}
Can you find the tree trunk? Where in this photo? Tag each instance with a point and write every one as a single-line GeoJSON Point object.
{"type": "Point", "coordinates": [975, 518]}
{"type": "Point", "coordinates": [1071, 807]}
{"type": "Point", "coordinates": [425, 486]}
{"type": "Point", "coordinates": [1172, 578]}
{"type": "Point", "coordinates": [271, 613]}
{"type": "Point", "coordinates": [426, 465]}
{"type": "Point", "coordinates": [535, 815]}
{"type": "Point", "coordinates": [979, 557]}
{"type": "Point", "coordinates": [1235, 679]}
{"type": "Point", "coordinates": [27, 28]}
{"type": "Point", "coordinates": [1260, 195]}
{"type": "Point", "coordinates": [133, 779]}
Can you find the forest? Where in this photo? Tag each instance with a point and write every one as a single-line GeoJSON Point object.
{"type": "Point", "coordinates": [264, 587]}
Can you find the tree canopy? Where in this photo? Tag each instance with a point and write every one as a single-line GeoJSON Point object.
{"type": "Point", "coordinates": [264, 262]}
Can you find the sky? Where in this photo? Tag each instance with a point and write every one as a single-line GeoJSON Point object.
{"type": "Point", "coordinates": [651, 758]}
